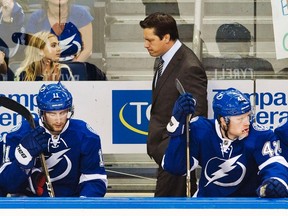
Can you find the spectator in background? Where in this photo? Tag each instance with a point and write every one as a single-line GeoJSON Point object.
{"type": "Point", "coordinates": [72, 24]}
{"type": "Point", "coordinates": [234, 43]}
{"type": "Point", "coordinates": [6, 74]}
{"type": "Point", "coordinates": [12, 20]}
{"type": "Point", "coordinates": [3, 65]}
{"type": "Point", "coordinates": [161, 39]}
{"type": "Point", "coordinates": [41, 59]}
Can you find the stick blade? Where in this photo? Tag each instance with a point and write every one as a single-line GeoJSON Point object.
{"type": "Point", "coordinates": [179, 87]}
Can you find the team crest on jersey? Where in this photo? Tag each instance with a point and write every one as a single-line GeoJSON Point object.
{"type": "Point", "coordinates": [224, 172]}
{"type": "Point", "coordinates": [64, 162]}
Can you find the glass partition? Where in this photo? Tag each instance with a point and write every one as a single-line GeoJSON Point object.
{"type": "Point", "coordinates": [234, 39]}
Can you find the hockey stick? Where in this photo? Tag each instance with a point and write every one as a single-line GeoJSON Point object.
{"type": "Point", "coordinates": [182, 91]}
{"type": "Point", "coordinates": [23, 111]}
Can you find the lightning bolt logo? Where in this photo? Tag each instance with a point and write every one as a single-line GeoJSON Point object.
{"type": "Point", "coordinates": [66, 43]}
{"type": "Point", "coordinates": [225, 169]}
{"type": "Point", "coordinates": [54, 159]}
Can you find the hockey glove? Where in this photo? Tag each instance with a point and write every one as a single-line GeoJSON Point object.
{"type": "Point", "coordinates": [30, 147]}
{"type": "Point", "coordinates": [272, 188]}
{"type": "Point", "coordinates": [184, 106]}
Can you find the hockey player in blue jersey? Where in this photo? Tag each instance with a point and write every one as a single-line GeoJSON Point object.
{"type": "Point", "coordinates": [282, 132]}
{"type": "Point", "coordinates": [237, 157]}
{"type": "Point", "coordinates": [71, 148]}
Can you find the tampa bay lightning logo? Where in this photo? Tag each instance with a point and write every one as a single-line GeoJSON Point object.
{"type": "Point", "coordinates": [224, 172]}
{"type": "Point", "coordinates": [54, 159]}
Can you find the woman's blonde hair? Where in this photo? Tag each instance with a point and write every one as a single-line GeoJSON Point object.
{"type": "Point", "coordinates": [32, 62]}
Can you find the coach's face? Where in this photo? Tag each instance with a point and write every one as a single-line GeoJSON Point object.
{"type": "Point", "coordinates": [154, 45]}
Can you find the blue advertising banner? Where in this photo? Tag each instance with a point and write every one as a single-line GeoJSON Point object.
{"type": "Point", "coordinates": [130, 116]}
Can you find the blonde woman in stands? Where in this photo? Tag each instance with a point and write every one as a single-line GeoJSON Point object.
{"type": "Point", "coordinates": [42, 60]}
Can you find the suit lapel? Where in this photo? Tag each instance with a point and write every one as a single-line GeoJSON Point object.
{"type": "Point", "coordinates": [167, 73]}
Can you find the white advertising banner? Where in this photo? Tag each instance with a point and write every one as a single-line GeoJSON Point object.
{"type": "Point", "coordinates": [119, 111]}
{"type": "Point", "coordinates": [280, 20]}
{"type": "Point", "coordinates": [94, 103]}
{"type": "Point", "coordinates": [271, 103]}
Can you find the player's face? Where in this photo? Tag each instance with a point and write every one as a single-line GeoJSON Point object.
{"type": "Point", "coordinates": [52, 49]}
{"type": "Point", "coordinates": [56, 120]}
{"type": "Point", "coordinates": [239, 125]}
{"type": "Point", "coordinates": [153, 44]}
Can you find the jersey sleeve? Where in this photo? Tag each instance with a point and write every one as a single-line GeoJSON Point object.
{"type": "Point", "coordinates": [93, 179]}
{"type": "Point", "coordinates": [268, 156]}
{"type": "Point", "coordinates": [12, 177]}
{"type": "Point", "coordinates": [32, 23]}
{"type": "Point", "coordinates": [282, 134]}
{"type": "Point", "coordinates": [174, 160]}
{"type": "Point", "coordinates": [80, 16]}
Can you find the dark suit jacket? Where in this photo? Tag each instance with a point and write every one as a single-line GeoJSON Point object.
{"type": "Point", "coordinates": [188, 69]}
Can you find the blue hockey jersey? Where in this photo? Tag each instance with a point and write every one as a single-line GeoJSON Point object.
{"type": "Point", "coordinates": [282, 133]}
{"type": "Point", "coordinates": [228, 168]}
{"type": "Point", "coordinates": [74, 160]}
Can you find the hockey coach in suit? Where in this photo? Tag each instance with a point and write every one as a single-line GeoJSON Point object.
{"type": "Point", "coordinates": [173, 60]}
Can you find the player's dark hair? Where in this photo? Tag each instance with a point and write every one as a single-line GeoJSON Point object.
{"type": "Point", "coordinates": [162, 23]}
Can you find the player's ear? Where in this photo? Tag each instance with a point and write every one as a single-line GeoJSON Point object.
{"type": "Point", "coordinates": [223, 123]}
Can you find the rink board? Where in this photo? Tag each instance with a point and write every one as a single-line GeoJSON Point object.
{"type": "Point", "coordinates": [119, 111]}
{"type": "Point", "coordinates": [125, 206]}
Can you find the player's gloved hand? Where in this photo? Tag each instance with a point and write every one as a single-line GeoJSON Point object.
{"type": "Point", "coordinates": [30, 147]}
{"type": "Point", "coordinates": [184, 106]}
{"type": "Point", "coordinates": [272, 188]}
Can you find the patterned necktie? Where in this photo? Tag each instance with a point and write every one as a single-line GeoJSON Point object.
{"type": "Point", "coordinates": [159, 69]}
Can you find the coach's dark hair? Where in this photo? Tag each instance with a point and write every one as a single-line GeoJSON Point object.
{"type": "Point", "coordinates": [162, 23]}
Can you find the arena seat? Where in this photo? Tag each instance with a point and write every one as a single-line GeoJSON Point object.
{"type": "Point", "coordinates": [78, 69]}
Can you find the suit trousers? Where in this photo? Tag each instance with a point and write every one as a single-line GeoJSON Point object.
{"type": "Point", "coordinates": [169, 185]}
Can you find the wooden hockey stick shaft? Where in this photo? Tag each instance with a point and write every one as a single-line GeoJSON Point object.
{"type": "Point", "coordinates": [188, 177]}
{"type": "Point", "coordinates": [181, 90]}
{"type": "Point", "coordinates": [49, 185]}
{"type": "Point", "coordinates": [23, 111]}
